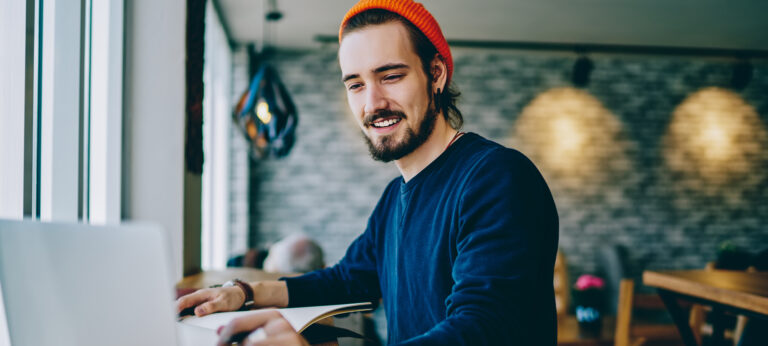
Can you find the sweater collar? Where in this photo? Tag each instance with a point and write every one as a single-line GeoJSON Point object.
{"type": "Point", "coordinates": [437, 164]}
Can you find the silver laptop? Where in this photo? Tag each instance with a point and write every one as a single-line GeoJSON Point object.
{"type": "Point", "coordinates": [77, 284]}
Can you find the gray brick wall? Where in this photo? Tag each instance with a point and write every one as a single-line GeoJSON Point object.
{"type": "Point", "coordinates": [239, 161]}
{"type": "Point", "coordinates": [623, 192]}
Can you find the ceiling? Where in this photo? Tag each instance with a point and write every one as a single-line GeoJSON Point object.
{"type": "Point", "coordinates": [734, 24]}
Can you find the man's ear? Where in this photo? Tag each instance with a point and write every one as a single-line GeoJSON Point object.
{"type": "Point", "coordinates": [439, 73]}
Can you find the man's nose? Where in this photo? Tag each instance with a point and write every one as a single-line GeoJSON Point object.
{"type": "Point", "coordinates": [374, 99]}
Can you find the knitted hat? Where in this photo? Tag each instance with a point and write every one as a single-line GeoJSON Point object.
{"type": "Point", "coordinates": [415, 13]}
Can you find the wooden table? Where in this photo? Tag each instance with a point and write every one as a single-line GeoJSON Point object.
{"type": "Point", "coordinates": [734, 291]}
{"type": "Point", "coordinates": [209, 278]}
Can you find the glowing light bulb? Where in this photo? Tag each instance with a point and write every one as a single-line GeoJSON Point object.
{"type": "Point", "coordinates": [262, 111]}
{"type": "Point", "coordinates": [567, 132]}
{"type": "Point", "coordinates": [718, 141]}
{"type": "Point", "coordinates": [568, 135]}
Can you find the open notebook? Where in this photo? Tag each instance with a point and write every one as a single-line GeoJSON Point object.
{"type": "Point", "coordinates": [299, 318]}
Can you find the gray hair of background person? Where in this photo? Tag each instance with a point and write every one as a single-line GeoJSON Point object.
{"type": "Point", "coordinates": [296, 253]}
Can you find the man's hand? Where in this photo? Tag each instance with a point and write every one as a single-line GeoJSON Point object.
{"type": "Point", "coordinates": [264, 328]}
{"type": "Point", "coordinates": [210, 300]}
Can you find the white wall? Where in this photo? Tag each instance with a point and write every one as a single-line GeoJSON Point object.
{"type": "Point", "coordinates": [217, 120]}
{"type": "Point", "coordinates": [154, 123]}
{"type": "Point", "coordinates": [12, 41]}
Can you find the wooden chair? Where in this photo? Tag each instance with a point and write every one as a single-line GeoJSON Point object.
{"type": "Point", "coordinates": [626, 333]}
{"type": "Point", "coordinates": [697, 319]}
{"type": "Point", "coordinates": [562, 288]}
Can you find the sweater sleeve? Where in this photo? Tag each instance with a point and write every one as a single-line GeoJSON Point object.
{"type": "Point", "coordinates": [353, 279]}
{"type": "Point", "coordinates": [504, 257]}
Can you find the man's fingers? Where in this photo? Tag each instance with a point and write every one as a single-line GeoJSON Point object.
{"type": "Point", "coordinates": [192, 299]}
{"type": "Point", "coordinates": [257, 337]}
{"type": "Point", "coordinates": [278, 326]}
{"type": "Point", "coordinates": [276, 332]}
{"type": "Point", "coordinates": [211, 306]}
{"type": "Point", "coordinates": [247, 323]}
{"type": "Point", "coordinates": [287, 339]}
{"type": "Point", "coordinates": [211, 300]}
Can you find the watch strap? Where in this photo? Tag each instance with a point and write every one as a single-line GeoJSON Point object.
{"type": "Point", "coordinates": [247, 290]}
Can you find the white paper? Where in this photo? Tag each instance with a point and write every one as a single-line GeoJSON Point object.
{"type": "Point", "coordinates": [299, 318]}
{"type": "Point", "coordinates": [190, 335]}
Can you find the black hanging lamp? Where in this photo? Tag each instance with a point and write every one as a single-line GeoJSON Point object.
{"type": "Point", "coordinates": [582, 69]}
{"type": "Point", "coordinates": [267, 115]}
{"type": "Point", "coordinates": [265, 112]}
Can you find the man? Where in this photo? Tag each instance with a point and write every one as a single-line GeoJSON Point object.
{"type": "Point", "coordinates": [462, 247]}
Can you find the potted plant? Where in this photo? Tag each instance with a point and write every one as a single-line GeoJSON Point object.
{"type": "Point", "coordinates": [588, 298]}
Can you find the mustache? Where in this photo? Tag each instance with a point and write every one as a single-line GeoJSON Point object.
{"type": "Point", "coordinates": [369, 119]}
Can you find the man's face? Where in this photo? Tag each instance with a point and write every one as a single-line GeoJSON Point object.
{"type": "Point", "coordinates": [387, 89]}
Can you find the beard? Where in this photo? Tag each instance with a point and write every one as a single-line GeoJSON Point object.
{"type": "Point", "coordinates": [388, 149]}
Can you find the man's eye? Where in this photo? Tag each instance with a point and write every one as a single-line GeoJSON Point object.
{"type": "Point", "coordinates": [353, 86]}
{"type": "Point", "coordinates": [393, 77]}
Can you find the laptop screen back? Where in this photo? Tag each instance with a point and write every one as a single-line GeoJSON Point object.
{"type": "Point", "coordinates": [76, 284]}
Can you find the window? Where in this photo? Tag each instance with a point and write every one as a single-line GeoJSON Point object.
{"type": "Point", "coordinates": [60, 112]}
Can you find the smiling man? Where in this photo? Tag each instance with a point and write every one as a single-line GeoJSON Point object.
{"type": "Point", "coordinates": [462, 246]}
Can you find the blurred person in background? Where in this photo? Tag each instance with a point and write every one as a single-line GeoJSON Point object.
{"type": "Point", "coordinates": [253, 258]}
{"type": "Point", "coordinates": [296, 253]}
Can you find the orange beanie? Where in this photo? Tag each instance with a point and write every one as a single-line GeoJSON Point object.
{"type": "Point", "coordinates": [415, 13]}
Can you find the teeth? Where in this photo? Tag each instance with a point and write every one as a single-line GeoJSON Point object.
{"type": "Point", "coordinates": [386, 123]}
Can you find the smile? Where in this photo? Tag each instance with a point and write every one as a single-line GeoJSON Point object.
{"type": "Point", "coordinates": [385, 122]}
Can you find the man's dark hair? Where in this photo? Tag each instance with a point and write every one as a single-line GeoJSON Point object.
{"type": "Point", "coordinates": [446, 99]}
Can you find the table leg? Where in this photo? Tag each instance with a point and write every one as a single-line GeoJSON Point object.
{"type": "Point", "coordinates": [718, 329]}
{"type": "Point", "coordinates": [679, 316]}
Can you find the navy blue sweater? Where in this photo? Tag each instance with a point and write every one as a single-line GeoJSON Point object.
{"type": "Point", "coordinates": [462, 254]}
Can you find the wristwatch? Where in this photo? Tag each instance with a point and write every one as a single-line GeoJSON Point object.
{"type": "Point", "coordinates": [246, 289]}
